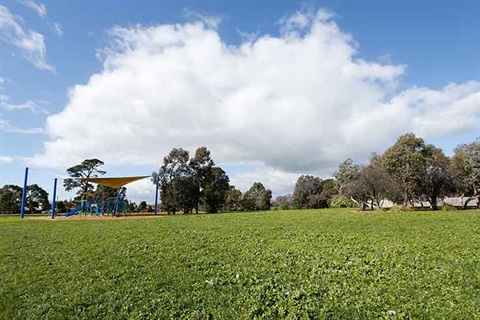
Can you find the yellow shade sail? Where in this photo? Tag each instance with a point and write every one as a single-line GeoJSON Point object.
{"type": "Point", "coordinates": [114, 182]}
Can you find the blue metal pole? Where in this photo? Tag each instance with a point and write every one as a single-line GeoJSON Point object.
{"type": "Point", "coordinates": [156, 195]}
{"type": "Point", "coordinates": [24, 194]}
{"type": "Point", "coordinates": [54, 197]}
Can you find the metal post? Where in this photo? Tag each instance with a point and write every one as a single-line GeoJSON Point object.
{"type": "Point", "coordinates": [54, 197]}
{"type": "Point", "coordinates": [156, 195]}
{"type": "Point", "coordinates": [24, 194]}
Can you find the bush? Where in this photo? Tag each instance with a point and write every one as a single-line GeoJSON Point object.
{"type": "Point", "coordinates": [341, 202]}
{"type": "Point", "coordinates": [400, 209]}
{"type": "Point", "coordinates": [448, 207]}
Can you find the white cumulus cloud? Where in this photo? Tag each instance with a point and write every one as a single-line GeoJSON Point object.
{"type": "Point", "coordinates": [30, 42]}
{"type": "Point", "coordinates": [141, 190]}
{"type": "Point", "coordinates": [452, 109]}
{"type": "Point", "coordinates": [278, 181]}
{"type": "Point", "coordinates": [295, 103]}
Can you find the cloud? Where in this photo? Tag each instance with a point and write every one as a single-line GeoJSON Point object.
{"type": "Point", "coordinates": [141, 190]}
{"type": "Point", "coordinates": [300, 102]}
{"type": "Point", "coordinates": [281, 183]}
{"type": "Point", "coordinates": [30, 105]}
{"type": "Point", "coordinates": [30, 42]}
{"type": "Point", "coordinates": [5, 159]}
{"type": "Point", "coordinates": [452, 109]}
{"type": "Point", "coordinates": [209, 20]}
{"type": "Point", "coordinates": [301, 20]}
{"type": "Point", "coordinates": [40, 9]}
{"type": "Point", "coordinates": [278, 181]}
{"type": "Point", "coordinates": [7, 127]}
{"type": "Point", "coordinates": [57, 28]}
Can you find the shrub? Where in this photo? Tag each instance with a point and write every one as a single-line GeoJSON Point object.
{"type": "Point", "coordinates": [399, 209]}
{"type": "Point", "coordinates": [448, 207]}
{"type": "Point", "coordinates": [341, 202]}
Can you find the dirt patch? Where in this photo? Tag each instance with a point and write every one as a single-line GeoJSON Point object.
{"type": "Point", "coordinates": [81, 217]}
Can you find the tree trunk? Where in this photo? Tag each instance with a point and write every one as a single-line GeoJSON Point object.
{"type": "Point", "coordinates": [475, 195]}
{"type": "Point", "coordinates": [364, 205]}
{"type": "Point", "coordinates": [467, 201]}
{"type": "Point", "coordinates": [379, 205]}
{"type": "Point", "coordinates": [433, 203]}
{"type": "Point", "coordinates": [360, 204]}
{"type": "Point", "coordinates": [197, 200]}
{"type": "Point", "coordinates": [405, 196]}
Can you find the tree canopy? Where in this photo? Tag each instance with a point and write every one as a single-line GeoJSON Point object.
{"type": "Point", "coordinates": [407, 161]}
{"type": "Point", "coordinates": [257, 198]}
{"type": "Point", "coordinates": [373, 184]}
{"type": "Point", "coordinates": [36, 198]}
{"type": "Point", "coordinates": [10, 199]}
{"type": "Point", "coordinates": [186, 184]}
{"type": "Point", "coordinates": [346, 173]}
{"type": "Point", "coordinates": [412, 171]}
{"type": "Point", "coordinates": [465, 170]}
{"type": "Point", "coordinates": [308, 193]}
{"type": "Point", "coordinates": [89, 168]}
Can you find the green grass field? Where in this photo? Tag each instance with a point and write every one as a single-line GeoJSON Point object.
{"type": "Point", "coordinates": [286, 264]}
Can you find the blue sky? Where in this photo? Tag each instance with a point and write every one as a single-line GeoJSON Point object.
{"type": "Point", "coordinates": [395, 57]}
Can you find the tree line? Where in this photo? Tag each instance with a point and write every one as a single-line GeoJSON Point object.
{"type": "Point", "coordinates": [196, 184]}
{"type": "Point", "coordinates": [37, 200]}
{"type": "Point", "coordinates": [186, 185]}
{"type": "Point", "coordinates": [409, 172]}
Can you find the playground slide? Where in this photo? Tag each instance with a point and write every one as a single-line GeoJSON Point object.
{"type": "Point", "coordinates": [72, 212]}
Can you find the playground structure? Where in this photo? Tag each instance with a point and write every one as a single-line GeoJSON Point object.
{"type": "Point", "coordinates": [87, 207]}
{"type": "Point", "coordinates": [112, 206]}
{"type": "Point", "coordinates": [108, 206]}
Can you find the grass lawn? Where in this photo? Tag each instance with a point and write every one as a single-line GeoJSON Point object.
{"type": "Point", "coordinates": [285, 264]}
